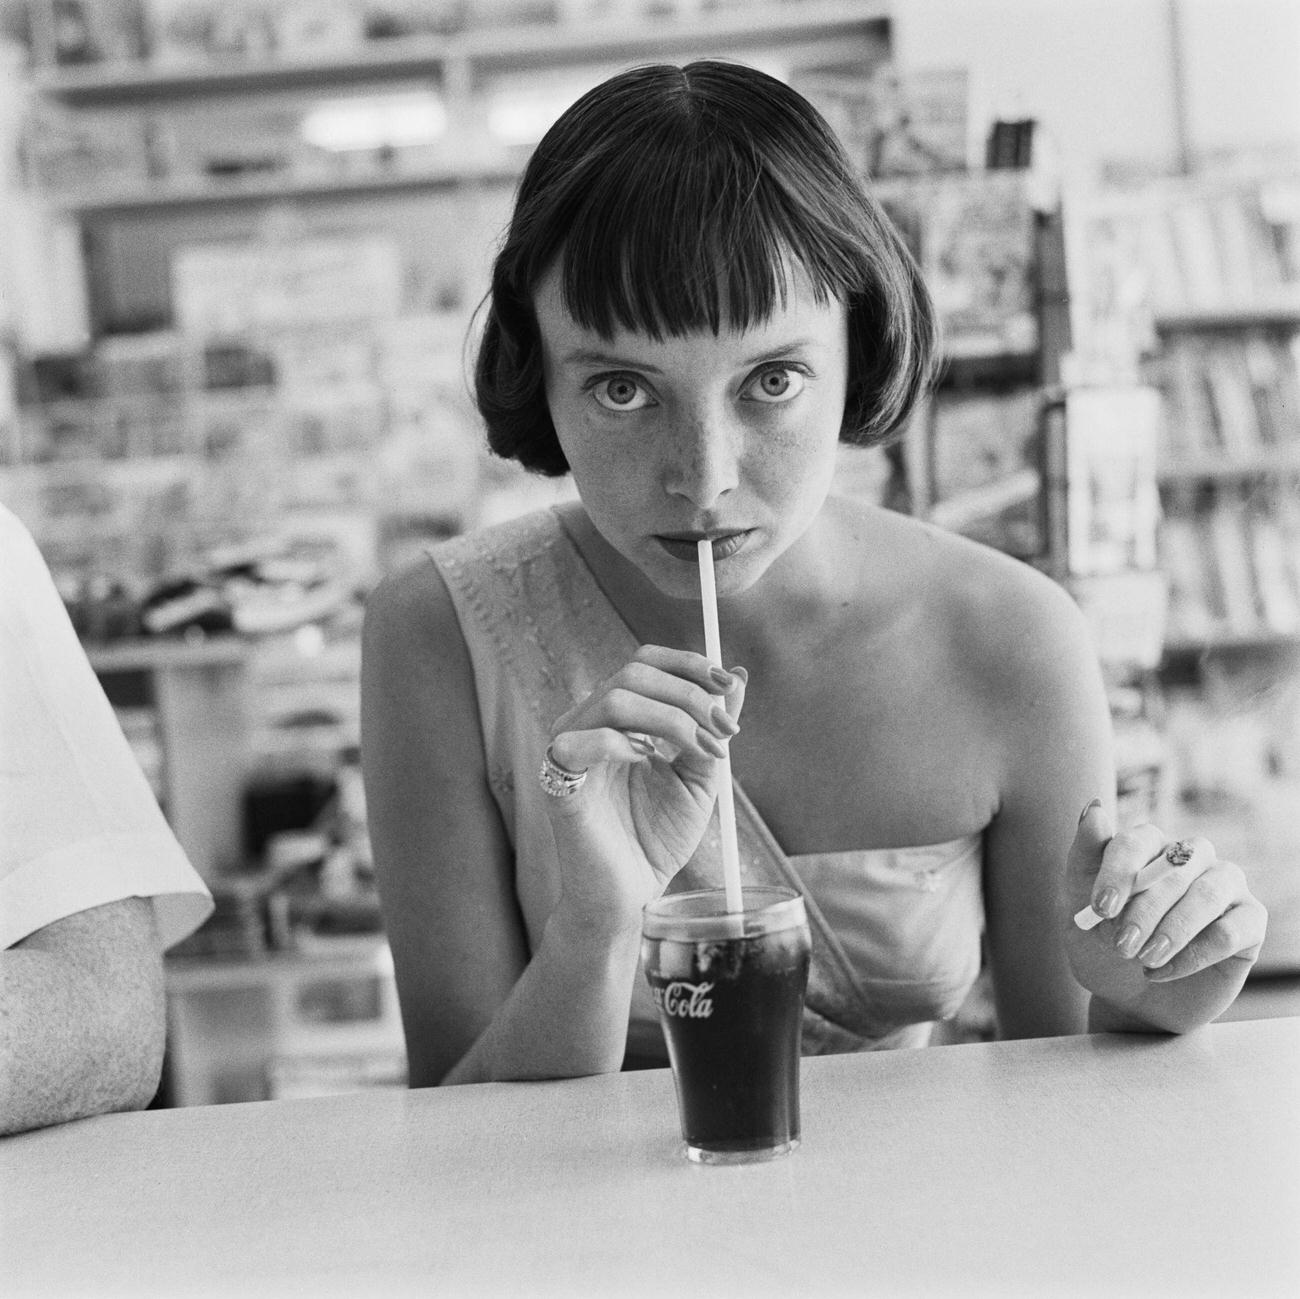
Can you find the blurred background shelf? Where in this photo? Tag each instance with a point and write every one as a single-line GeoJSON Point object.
{"type": "Point", "coordinates": [458, 56]}
{"type": "Point", "coordinates": [1223, 643]}
{"type": "Point", "coordinates": [308, 1022]}
{"type": "Point", "coordinates": [1282, 313]}
{"type": "Point", "coordinates": [1215, 467]}
{"type": "Point", "coordinates": [254, 189]}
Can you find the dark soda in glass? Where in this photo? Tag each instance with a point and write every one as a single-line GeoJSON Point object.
{"type": "Point", "coordinates": [730, 987]}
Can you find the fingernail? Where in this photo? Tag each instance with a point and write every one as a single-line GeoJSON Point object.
{"type": "Point", "coordinates": [1156, 952]}
{"type": "Point", "coordinates": [742, 673]}
{"type": "Point", "coordinates": [722, 677]}
{"type": "Point", "coordinates": [710, 744]}
{"type": "Point", "coordinates": [1107, 904]}
{"type": "Point", "coordinates": [1096, 802]}
{"type": "Point", "coordinates": [642, 745]}
{"type": "Point", "coordinates": [1127, 942]}
{"type": "Point", "coordinates": [723, 720]}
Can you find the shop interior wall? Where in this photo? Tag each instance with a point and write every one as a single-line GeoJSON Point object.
{"type": "Point", "coordinates": [1102, 77]}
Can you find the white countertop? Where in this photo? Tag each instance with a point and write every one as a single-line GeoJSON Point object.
{"type": "Point", "coordinates": [1080, 1166]}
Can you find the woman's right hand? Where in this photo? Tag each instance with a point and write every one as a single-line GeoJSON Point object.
{"type": "Point", "coordinates": [650, 737]}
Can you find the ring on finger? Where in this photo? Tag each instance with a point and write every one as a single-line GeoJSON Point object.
{"type": "Point", "coordinates": [558, 781]}
{"type": "Point", "coordinates": [1179, 853]}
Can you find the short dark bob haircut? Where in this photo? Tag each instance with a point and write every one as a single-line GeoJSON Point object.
{"type": "Point", "coordinates": [672, 195]}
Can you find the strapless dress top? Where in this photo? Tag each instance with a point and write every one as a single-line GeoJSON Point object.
{"type": "Point", "coordinates": [909, 921]}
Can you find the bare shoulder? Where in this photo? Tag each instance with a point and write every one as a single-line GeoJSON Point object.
{"type": "Point", "coordinates": [1010, 611]}
{"type": "Point", "coordinates": [410, 616]}
{"type": "Point", "coordinates": [416, 671]}
{"type": "Point", "coordinates": [1003, 626]}
{"type": "Point", "coordinates": [936, 563]}
{"type": "Point", "coordinates": [1026, 661]}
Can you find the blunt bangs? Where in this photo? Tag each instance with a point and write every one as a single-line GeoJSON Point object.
{"type": "Point", "coordinates": [712, 245]}
{"type": "Point", "coordinates": [701, 224]}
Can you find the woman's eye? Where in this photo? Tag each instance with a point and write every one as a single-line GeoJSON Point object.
{"type": "Point", "coordinates": [780, 383]}
{"type": "Point", "coordinates": [620, 392]}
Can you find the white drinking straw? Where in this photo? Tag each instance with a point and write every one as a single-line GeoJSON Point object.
{"type": "Point", "coordinates": [726, 799]}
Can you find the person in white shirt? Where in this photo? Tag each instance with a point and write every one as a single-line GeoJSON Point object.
{"type": "Point", "coordinates": [93, 884]}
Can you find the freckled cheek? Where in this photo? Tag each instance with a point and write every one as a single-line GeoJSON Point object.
{"type": "Point", "coordinates": [592, 462]}
{"type": "Point", "coordinates": [792, 458]}
{"type": "Point", "coordinates": [797, 441]}
{"type": "Point", "coordinates": [597, 458]}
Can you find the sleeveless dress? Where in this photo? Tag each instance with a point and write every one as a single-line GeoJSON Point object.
{"type": "Point", "coordinates": [896, 931]}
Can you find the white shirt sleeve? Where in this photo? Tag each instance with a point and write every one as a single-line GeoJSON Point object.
{"type": "Point", "coordinates": [79, 825]}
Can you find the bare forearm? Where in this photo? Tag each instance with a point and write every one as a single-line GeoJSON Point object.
{"type": "Point", "coordinates": [566, 1016]}
{"type": "Point", "coordinates": [71, 1046]}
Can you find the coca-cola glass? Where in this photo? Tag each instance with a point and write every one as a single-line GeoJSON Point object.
{"type": "Point", "coordinates": [730, 987]}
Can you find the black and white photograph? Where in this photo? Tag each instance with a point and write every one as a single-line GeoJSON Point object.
{"type": "Point", "coordinates": [649, 649]}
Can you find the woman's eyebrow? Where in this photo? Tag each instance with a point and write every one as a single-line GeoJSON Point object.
{"type": "Point", "coordinates": [586, 356]}
{"type": "Point", "coordinates": [590, 356]}
{"type": "Point", "coordinates": [779, 351]}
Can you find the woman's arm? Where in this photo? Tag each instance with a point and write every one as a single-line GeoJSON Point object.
{"type": "Point", "coordinates": [477, 1005]}
{"type": "Point", "coordinates": [1169, 958]}
{"type": "Point", "coordinates": [82, 1021]}
{"type": "Point", "coordinates": [1046, 709]}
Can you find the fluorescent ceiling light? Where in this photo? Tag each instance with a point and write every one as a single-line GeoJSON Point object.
{"type": "Point", "coordinates": [376, 122]}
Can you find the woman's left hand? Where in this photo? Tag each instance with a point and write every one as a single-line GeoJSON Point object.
{"type": "Point", "coordinates": [1172, 956]}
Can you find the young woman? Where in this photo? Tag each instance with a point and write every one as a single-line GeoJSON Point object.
{"type": "Point", "coordinates": [695, 304]}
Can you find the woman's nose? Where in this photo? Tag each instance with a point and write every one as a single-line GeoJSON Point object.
{"type": "Point", "coordinates": [703, 461]}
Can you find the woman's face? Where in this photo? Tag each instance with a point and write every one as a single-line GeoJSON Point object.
{"type": "Point", "coordinates": [732, 437]}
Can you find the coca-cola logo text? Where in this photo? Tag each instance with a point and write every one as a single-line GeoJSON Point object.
{"type": "Point", "coordinates": [685, 1000]}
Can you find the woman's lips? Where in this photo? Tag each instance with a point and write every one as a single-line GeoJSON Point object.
{"type": "Point", "coordinates": [685, 547]}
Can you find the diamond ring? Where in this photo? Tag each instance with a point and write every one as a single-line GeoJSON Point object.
{"type": "Point", "coordinates": [558, 781]}
{"type": "Point", "coordinates": [1179, 853]}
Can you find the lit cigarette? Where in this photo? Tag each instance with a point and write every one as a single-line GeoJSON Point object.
{"type": "Point", "coordinates": [1150, 874]}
